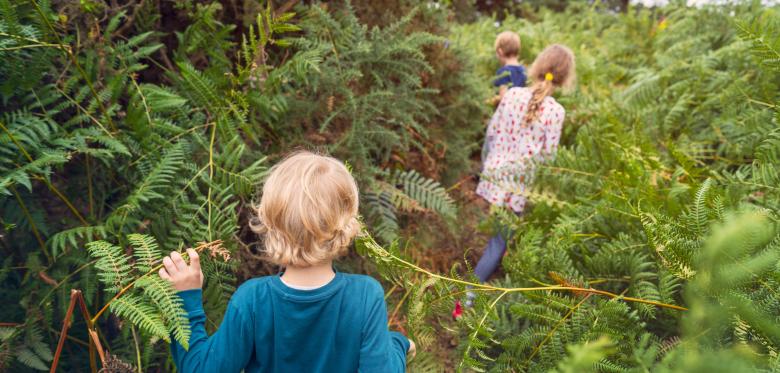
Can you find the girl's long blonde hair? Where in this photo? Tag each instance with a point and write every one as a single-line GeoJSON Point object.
{"type": "Point", "coordinates": [553, 68]}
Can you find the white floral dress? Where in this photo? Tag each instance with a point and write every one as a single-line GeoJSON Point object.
{"type": "Point", "coordinates": [512, 148]}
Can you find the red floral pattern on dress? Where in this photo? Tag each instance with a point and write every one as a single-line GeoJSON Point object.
{"type": "Point", "coordinates": [513, 148]}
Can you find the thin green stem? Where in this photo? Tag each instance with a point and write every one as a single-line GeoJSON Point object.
{"type": "Point", "coordinates": [31, 40]}
{"type": "Point", "coordinates": [29, 46]}
{"type": "Point", "coordinates": [569, 170]}
{"type": "Point", "coordinates": [168, 141]}
{"type": "Point", "coordinates": [64, 280]}
{"type": "Point", "coordinates": [46, 181]}
{"type": "Point", "coordinates": [137, 348]}
{"type": "Point", "coordinates": [143, 100]}
{"type": "Point", "coordinates": [75, 61]}
{"type": "Point", "coordinates": [211, 174]}
{"type": "Point", "coordinates": [90, 196]}
{"type": "Point", "coordinates": [30, 219]}
{"type": "Point", "coordinates": [386, 255]}
{"type": "Point", "coordinates": [85, 111]}
{"type": "Point", "coordinates": [479, 326]}
{"type": "Point", "coordinates": [13, 139]}
{"type": "Point", "coordinates": [66, 201]}
{"type": "Point", "coordinates": [554, 328]}
{"type": "Point", "coordinates": [398, 306]}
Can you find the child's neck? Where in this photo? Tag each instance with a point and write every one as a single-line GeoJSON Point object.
{"type": "Point", "coordinates": [316, 275]}
{"type": "Point", "coordinates": [511, 61]}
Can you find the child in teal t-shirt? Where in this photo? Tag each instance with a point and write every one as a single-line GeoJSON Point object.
{"type": "Point", "coordinates": [309, 318]}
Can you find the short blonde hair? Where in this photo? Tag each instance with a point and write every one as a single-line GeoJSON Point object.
{"type": "Point", "coordinates": [308, 211]}
{"type": "Point", "coordinates": [509, 43]}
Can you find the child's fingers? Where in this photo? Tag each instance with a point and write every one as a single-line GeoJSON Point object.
{"type": "Point", "coordinates": [178, 261]}
{"type": "Point", "coordinates": [164, 274]}
{"type": "Point", "coordinates": [170, 268]}
{"type": "Point", "coordinates": [194, 259]}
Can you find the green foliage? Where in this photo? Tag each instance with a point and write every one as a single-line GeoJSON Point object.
{"type": "Point", "coordinates": [405, 191]}
{"type": "Point", "coordinates": [143, 298]}
{"type": "Point", "coordinates": [160, 119]}
{"type": "Point", "coordinates": [386, 108]}
{"type": "Point", "coordinates": [147, 128]}
{"type": "Point", "coordinates": [27, 344]}
{"type": "Point", "coordinates": [762, 34]}
{"type": "Point", "coordinates": [659, 146]}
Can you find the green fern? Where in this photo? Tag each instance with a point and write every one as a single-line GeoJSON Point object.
{"type": "Point", "coordinates": [114, 265]}
{"type": "Point", "coordinates": [405, 191]}
{"type": "Point", "coordinates": [145, 251]}
{"type": "Point", "coordinates": [428, 193]}
{"type": "Point", "coordinates": [762, 34]}
{"type": "Point", "coordinates": [141, 297]}
{"type": "Point", "coordinates": [141, 314]}
{"type": "Point", "coordinates": [169, 305]}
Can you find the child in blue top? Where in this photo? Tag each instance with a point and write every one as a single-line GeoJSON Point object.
{"type": "Point", "coordinates": [511, 74]}
{"type": "Point", "coordinates": [310, 318]}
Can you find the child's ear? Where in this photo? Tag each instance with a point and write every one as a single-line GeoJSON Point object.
{"type": "Point", "coordinates": [500, 52]}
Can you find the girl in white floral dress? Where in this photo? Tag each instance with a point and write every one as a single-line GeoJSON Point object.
{"type": "Point", "coordinates": [524, 130]}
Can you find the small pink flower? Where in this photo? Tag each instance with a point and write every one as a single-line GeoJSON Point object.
{"type": "Point", "coordinates": [458, 311]}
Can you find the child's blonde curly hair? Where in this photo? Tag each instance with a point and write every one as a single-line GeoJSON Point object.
{"type": "Point", "coordinates": [308, 211]}
{"type": "Point", "coordinates": [508, 43]}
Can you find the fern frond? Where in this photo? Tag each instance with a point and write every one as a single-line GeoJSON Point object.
{"type": "Point", "coordinates": [113, 264]}
{"type": "Point", "coordinates": [762, 34]}
{"type": "Point", "coordinates": [428, 193]}
{"type": "Point", "coordinates": [145, 251]}
{"type": "Point", "coordinates": [140, 314]}
{"type": "Point", "coordinates": [169, 306]}
{"type": "Point", "coordinates": [60, 241]}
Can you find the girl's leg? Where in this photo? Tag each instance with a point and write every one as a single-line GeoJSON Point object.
{"type": "Point", "coordinates": [491, 258]}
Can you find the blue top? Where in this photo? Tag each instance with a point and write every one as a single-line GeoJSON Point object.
{"type": "Point", "coordinates": [270, 327]}
{"type": "Point", "coordinates": [515, 77]}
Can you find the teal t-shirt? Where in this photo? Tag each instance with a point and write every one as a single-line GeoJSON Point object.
{"type": "Point", "coordinates": [270, 327]}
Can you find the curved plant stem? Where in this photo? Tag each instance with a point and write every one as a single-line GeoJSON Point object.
{"type": "Point", "coordinates": [385, 255]}
{"type": "Point", "coordinates": [479, 326]}
{"type": "Point", "coordinates": [211, 171]}
{"type": "Point", "coordinates": [39, 44]}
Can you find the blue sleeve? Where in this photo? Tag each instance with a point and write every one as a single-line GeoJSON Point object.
{"type": "Point", "coordinates": [227, 350]}
{"type": "Point", "coordinates": [522, 79]}
{"type": "Point", "coordinates": [400, 346]}
{"type": "Point", "coordinates": [381, 350]}
{"type": "Point", "coordinates": [503, 77]}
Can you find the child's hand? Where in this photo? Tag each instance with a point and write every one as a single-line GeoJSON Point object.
{"type": "Point", "coordinates": [412, 349]}
{"type": "Point", "coordinates": [494, 101]}
{"type": "Point", "coordinates": [183, 276]}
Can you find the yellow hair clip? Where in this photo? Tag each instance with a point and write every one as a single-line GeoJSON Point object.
{"type": "Point", "coordinates": [548, 76]}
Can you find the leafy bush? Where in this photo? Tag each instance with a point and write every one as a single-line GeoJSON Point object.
{"type": "Point", "coordinates": [111, 128]}
{"type": "Point", "coordinates": [671, 127]}
{"type": "Point", "coordinates": [133, 130]}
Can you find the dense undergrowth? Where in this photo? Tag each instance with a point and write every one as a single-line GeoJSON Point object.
{"type": "Point", "coordinates": [665, 190]}
{"type": "Point", "coordinates": [161, 118]}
